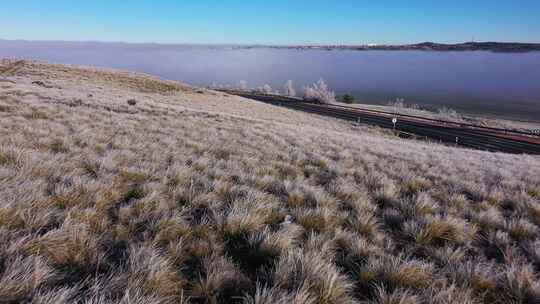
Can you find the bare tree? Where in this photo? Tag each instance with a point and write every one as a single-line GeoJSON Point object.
{"type": "Point", "coordinates": [289, 89]}
{"type": "Point", "coordinates": [319, 92]}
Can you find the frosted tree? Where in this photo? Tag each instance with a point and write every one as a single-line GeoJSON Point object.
{"type": "Point", "coordinates": [319, 92]}
{"type": "Point", "coordinates": [289, 89]}
{"type": "Point", "coordinates": [265, 89]}
{"type": "Point", "coordinates": [449, 114]}
{"type": "Point", "coordinates": [243, 86]}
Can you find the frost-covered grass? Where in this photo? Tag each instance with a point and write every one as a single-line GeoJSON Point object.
{"type": "Point", "coordinates": [189, 197]}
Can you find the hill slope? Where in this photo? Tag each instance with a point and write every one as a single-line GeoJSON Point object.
{"type": "Point", "coordinates": [118, 187]}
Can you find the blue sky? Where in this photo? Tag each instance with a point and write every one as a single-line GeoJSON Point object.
{"type": "Point", "coordinates": [271, 22]}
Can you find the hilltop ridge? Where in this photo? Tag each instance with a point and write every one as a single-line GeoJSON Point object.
{"type": "Point", "coordinates": [119, 187]}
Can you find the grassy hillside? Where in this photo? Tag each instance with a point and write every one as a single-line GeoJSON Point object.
{"type": "Point", "coordinates": [121, 188]}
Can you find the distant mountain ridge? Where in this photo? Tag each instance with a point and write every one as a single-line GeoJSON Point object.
{"type": "Point", "coordinates": [482, 46]}
{"type": "Point", "coordinates": [502, 47]}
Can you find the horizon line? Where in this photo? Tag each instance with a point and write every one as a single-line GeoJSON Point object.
{"type": "Point", "coordinates": [257, 44]}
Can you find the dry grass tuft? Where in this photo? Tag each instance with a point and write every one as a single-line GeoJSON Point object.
{"type": "Point", "coordinates": [71, 249]}
{"type": "Point", "coordinates": [435, 231]}
{"type": "Point", "coordinates": [395, 297]}
{"type": "Point", "coordinates": [521, 229]}
{"type": "Point", "coordinates": [296, 271]}
{"type": "Point", "coordinates": [22, 276]}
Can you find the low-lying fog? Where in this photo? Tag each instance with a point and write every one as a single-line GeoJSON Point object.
{"type": "Point", "coordinates": [482, 82]}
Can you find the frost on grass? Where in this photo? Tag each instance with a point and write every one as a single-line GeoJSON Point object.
{"type": "Point", "coordinates": [172, 202]}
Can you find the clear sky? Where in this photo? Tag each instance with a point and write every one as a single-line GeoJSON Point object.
{"type": "Point", "coordinates": [271, 21]}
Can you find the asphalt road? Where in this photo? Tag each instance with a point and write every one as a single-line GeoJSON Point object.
{"type": "Point", "coordinates": [476, 137]}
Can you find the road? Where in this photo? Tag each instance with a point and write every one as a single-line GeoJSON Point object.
{"type": "Point", "coordinates": [466, 135]}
